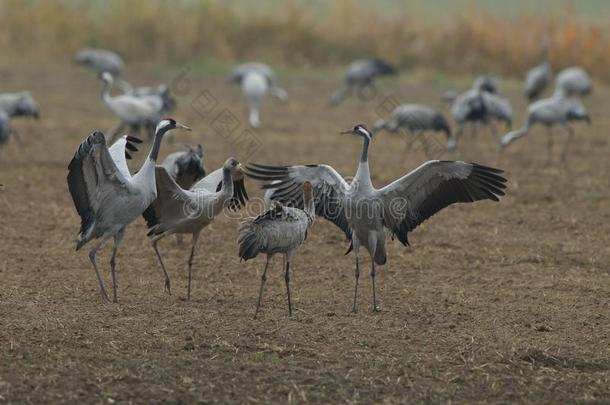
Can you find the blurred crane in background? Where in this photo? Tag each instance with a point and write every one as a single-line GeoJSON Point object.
{"type": "Point", "coordinates": [361, 74]}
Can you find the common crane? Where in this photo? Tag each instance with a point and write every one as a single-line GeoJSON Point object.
{"type": "Point", "coordinates": [180, 211]}
{"type": "Point", "coordinates": [359, 74]}
{"type": "Point", "coordinates": [101, 60]}
{"type": "Point", "coordinates": [478, 107]}
{"type": "Point", "coordinates": [574, 81]}
{"type": "Point", "coordinates": [537, 79]}
{"type": "Point", "coordinates": [106, 196]}
{"type": "Point", "coordinates": [256, 80]}
{"type": "Point", "coordinates": [279, 229]}
{"type": "Point", "coordinates": [132, 111]}
{"type": "Point", "coordinates": [556, 110]}
{"type": "Point", "coordinates": [20, 104]}
{"type": "Point", "coordinates": [364, 213]}
{"type": "Point", "coordinates": [417, 119]}
{"type": "Point", "coordinates": [185, 167]}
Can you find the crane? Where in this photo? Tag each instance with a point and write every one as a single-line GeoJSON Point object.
{"type": "Point", "coordinates": [179, 211]}
{"type": "Point", "coordinates": [101, 60]}
{"type": "Point", "coordinates": [359, 74]}
{"type": "Point", "coordinates": [279, 229]}
{"type": "Point", "coordinates": [364, 213]}
{"type": "Point", "coordinates": [537, 79]}
{"type": "Point", "coordinates": [106, 196]}
{"type": "Point", "coordinates": [556, 110]}
{"type": "Point", "coordinates": [574, 81]}
{"type": "Point", "coordinates": [185, 167]}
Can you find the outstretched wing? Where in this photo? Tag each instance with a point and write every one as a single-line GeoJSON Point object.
{"type": "Point", "coordinates": [415, 197]}
{"type": "Point", "coordinates": [119, 151]}
{"type": "Point", "coordinates": [213, 182]}
{"type": "Point", "coordinates": [170, 206]}
{"type": "Point", "coordinates": [287, 184]}
{"type": "Point", "coordinates": [94, 180]}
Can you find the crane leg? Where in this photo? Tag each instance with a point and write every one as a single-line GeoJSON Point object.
{"type": "Point", "coordinates": [356, 245]}
{"type": "Point", "coordinates": [188, 291]}
{"type": "Point", "coordinates": [549, 145]}
{"type": "Point", "coordinates": [168, 287]}
{"type": "Point", "coordinates": [287, 260]}
{"type": "Point", "coordinates": [117, 241]}
{"type": "Point", "coordinates": [375, 307]}
{"type": "Point", "coordinates": [564, 153]}
{"type": "Point", "coordinates": [260, 292]}
{"type": "Point", "coordinates": [100, 281]}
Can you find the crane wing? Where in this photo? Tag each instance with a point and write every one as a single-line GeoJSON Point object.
{"type": "Point", "coordinates": [213, 182]}
{"type": "Point", "coordinates": [94, 180]}
{"type": "Point", "coordinates": [415, 197]}
{"type": "Point", "coordinates": [287, 184]}
{"type": "Point", "coordinates": [119, 152]}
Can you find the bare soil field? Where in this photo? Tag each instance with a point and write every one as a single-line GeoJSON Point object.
{"type": "Point", "coordinates": [492, 303]}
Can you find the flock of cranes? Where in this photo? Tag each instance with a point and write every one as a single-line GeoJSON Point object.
{"type": "Point", "coordinates": [179, 196]}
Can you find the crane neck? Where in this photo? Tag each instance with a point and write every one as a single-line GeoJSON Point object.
{"type": "Point", "coordinates": [309, 206]}
{"type": "Point", "coordinates": [365, 150]}
{"type": "Point", "coordinates": [363, 175]}
{"type": "Point", "coordinates": [106, 92]}
{"type": "Point", "coordinates": [227, 182]}
{"type": "Point", "coordinates": [154, 151]}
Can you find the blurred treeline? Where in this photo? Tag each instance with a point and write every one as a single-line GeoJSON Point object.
{"type": "Point", "coordinates": [302, 33]}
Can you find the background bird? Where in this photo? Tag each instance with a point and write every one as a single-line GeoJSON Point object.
{"type": "Point", "coordinates": [106, 196]}
{"type": "Point", "coordinates": [417, 119]}
{"type": "Point", "coordinates": [362, 73]}
{"type": "Point", "coordinates": [556, 110]}
{"type": "Point", "coordinates": [537, 80]}
{"type": "Point", "coordinates": [20, 104]}
{"type": "Point", "coordinates": [488, 83]}
{"type": "Point", "coordinates": [185, 167]}
{"type": "Point", "coordinates": [279, 229]}
{"type": "Point", "coordinates": [240, 71]}
{"type": "Point", "coordinates": [101, 60]}
{"type": "Point", "coordinates": [179, 211]}
{"type": "Point", "coordinates": [132, 111]}
{"type": "Point", "coordinates": [364, 213]}
{"type": "Point", "coordinates": [574, 82]}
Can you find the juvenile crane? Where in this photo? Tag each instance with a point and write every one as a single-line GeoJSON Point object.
{"type": "Point", "coordinates": [179, 211]}
{"type": "Point", "coordinates": [132, 111]}
{"type": "Point", "coordinates": [556, 110]}
{"type": "Point", "coordinates": [364, 213]}
{"type": "Point", "coordinates": [279, 229]}
{"type": "Point", "coordinates": [417, 119]}
{"type": "Point", "coordinates": [361, 73]}
{"type": "Point", "coordinates": [106, 196]}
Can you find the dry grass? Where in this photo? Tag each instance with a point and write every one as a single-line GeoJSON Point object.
{"type": "Point", "coordinates": [291, 33]}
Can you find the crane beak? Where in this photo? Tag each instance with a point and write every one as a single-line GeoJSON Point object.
{"type": "Point", "coordinates": [349, 131]}
{"type": "Point", "coordinates": [181, 126]}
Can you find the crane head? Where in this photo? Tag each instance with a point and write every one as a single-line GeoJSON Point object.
{"type": "Point", "coordinates": [359, 130]}
{"type": "Point", "coordinates": [167, 124]}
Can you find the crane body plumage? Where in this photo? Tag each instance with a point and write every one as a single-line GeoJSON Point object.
{"type": "Point", "coordinates": [364, 213]}
{"type": "Point", "coordinates": [101, 60]}
{"type": "Point", "coordinates": [574, 82]}
{"type": "Point", "coordinates": [537, 79]}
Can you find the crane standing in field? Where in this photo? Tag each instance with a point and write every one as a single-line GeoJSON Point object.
{"type": "Point", "coordinates": [256, 80]}
{"type": "Point", "coordinates": [279, 229]}
{"type": "Point", "coordinates": [417, 119]}
{"type": "Point", "coordinates": [537, 80]}
{"type": "Point", "coordinates": [132, 111]}
{"type": "Point", "coordinates": [360, 74]}
{"type": "Point", "coordinates": [556, 110]}
{"type": "Point", "coordinates": [574, 82]}
{"type": "Point", "coordinates": [364, 213]}
{"type": "Point", "coordinates": [106, 196]}
{"type": "Point", "coordinates": [179, 211]}
{"type": "Point", "coordinates": [101, 60]}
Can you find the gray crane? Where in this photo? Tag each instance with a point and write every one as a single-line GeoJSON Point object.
{"type": "Point", "coordinates": [180, 211]}
{"type": "Point", "coordinates": [279, 229]}
{"type": "Point", "coordinates": [417, 119]}
{"type": "Point", "coordinates": [556, 110]}
{"type": "Point", "coordinates": [364, 213]}
{"type": "Point", "coordinates": [360, 74]}
{"type": "Point", "coordinates": [256, 80]}
{"type": "Point", "coordinates": [488, 83]}
{"type": "Point", "coordinates": [132, 111]}
{"type": "Point", "coordinates": [20, 104]}
{"type": "Point", "coordinates": [478, 107]}
{"type": "Point", "coordinates": [537, 80]}
{"type": "Point", "coordinates": [185, 167]}
{"type": "Point", "coordinates": [574, 82]}
{"type": "Point", "coordinates": [101, 60]}
{"type": "Point", "coordinates": [106, 196]}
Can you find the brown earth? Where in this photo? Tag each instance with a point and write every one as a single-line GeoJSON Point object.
{"type": "Point", "coordinates": [494, 302]}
